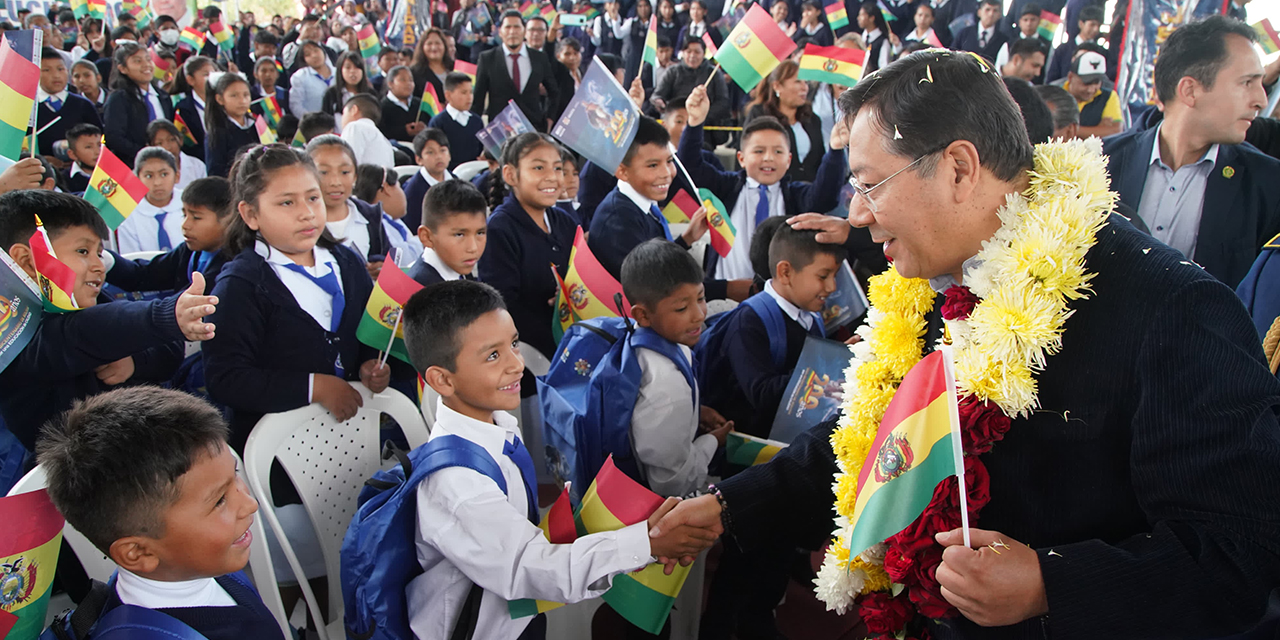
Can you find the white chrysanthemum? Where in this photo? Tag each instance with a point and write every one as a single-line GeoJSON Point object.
{"type": "Point", "coordinates": [837, 586]}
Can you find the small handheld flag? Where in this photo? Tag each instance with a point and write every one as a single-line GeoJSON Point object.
{"type": "Point", "coordinates": [28, 556]}
{"type": "Point", "coordinates": [754, 48]}
{"type": "Point", "coordinates": [884, 11]}
{"type": "Point", "coordinates": [589, 289]}
{"type": "Point", "coordinates": [113, 189]}
{"type": "Point", "coordinates": [57, 281]}
{"type": "Point", "coordinates": [651, 43]}
{"type": "Point", "coordinates": [98, 9]}
{"type": "Point", "coordinates": [191, 39]}
{"type": "Point", "coordinates": [80, 8]}
{"type": "Point", "coordinates": [832, 65]}
{"type": "Point", "coordinates": [681, 208]}
{"type": "Point", "coordinates": [559, 526]}
{"type": "Point", "coordinates": [188, 139]}
{"type": "Point", "coordinates": [564, 314]}
{"type": "Point", "coordinates": [528, 9]}
{"type": "Point", "coordinates": [381, 315]}
{"type": "Point", "coordinates": [298, 141]}
{"type": "Point", "coordinates": [266, 135]}
{"type": "Point", "coordinates": [271, 110]}
{"type": "Point", "coordinates": [747, 451]}
{"type": "Point", "coordinates": [711, 44]}
{"type": "Point", "coordinates": [931, 38]}
{"type": "Point", "coordinates": [222, 35]}
{"type": "Point", "coordinates": [837, 16]}
{"type": "Point", "coordinates": [1267, 36]}
{"type": "Point", "coordinates": [548, 13]}
{"type": "Point", "coordinates": [723, 233]}
{"type": "Point", "coordinates": [1049, 23]}
{"type": "Point", "coordinates": [19, 78]}
{"type": "Point", "coordinates": [430, 103]}
{"type": "Point", "coordinates": [159, 66]}
{"type": "Point", "coordinates": [465, 68]}
{"type": "Point", "coordinates": [368, 39]}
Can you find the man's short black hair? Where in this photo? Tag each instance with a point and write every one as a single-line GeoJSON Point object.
{"type": "Point", "coordinates": [58, 211]}
{"type": "Point", "coordinates": [538, 18]}
{"type": "Point", "coordinates": [761, 123]}
{"type": "Point", "coordinates": [81, 130]}
{"type": "Point", "coordinates": [1027, 47]}
{"type": "Point", "coordinates": [435, 317]}
{"type": "Point", "coordinates": [1198, 50]}
{"type": "Point", "coordinates": [759, 250]}
{"type": "Point", "coordinates": [511, 13]}
{"type": "Point", "coordinates": [648, 131]}
{"type": "Point", "coordinates": [266, 37]}
{"type": "Point", "coordinates": [387, 51]}
{"type": "Point", "coordinates": [213, 193]}
{"type": "Point", "coordinates": [450, 198]}
{"type": "Point", "coordinates": [114, 460]}
{"type": "Point", "coordinates": [316, 123]}
{"type": "Point", "coordinates": [455, 79]}
{"type": "Point", "coordinates": [1091, 13]}
{"type": "Point", "coordinates": [694, 42]}
{"type": "Point", "coordinates": [1035, 113]}
{"type": "Point", "coordinates": [654, 270]}
{"type": "Point", "coordinates": [430, 134]}
{"type": "Point", "coordinates": [367, 104]}
{"type": "Point", "coordinates": [568, 42]}
{"type": "Point", "coordinates": [799, 248]}
{"type": "Point", "coordinates": [1030, 9]}
{"type": "Point", "coordinates": [49, 53]}
{"type": "Point", "coordinates": [982, 111]}
{"type": "Point", "coordinates": [1065, 109]}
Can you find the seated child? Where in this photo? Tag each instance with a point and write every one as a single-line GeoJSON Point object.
{"type": "Point", "coordinates": [206, 212]}
{"type": "Point", "coordinates": [84, 145]}
{"type": "Point", "coordinates": [316, 123]}
{"type": "Point", "coordinates": [462, 342]}
{"type": "Point", "coordinates": [146, 475]}
{"type": "Point", "coordinates": [457, 122]}
{"type": "Point", "coordinates": [267, 75]}
{"type": "Point", "coordinates": [431, 149]}
{"type": "Point", "coordinates": [399, 119]}
{"type": "Point", "coordinates": [380, 187]}
{"type": "Point", "coordinates": [73, 355]}
{"type": "Point", "coordinates": [360, 130]}
{"type": "Point", "coordinates": [86, 78]}
{"type": "Point", "coordinates": [156, 224]}
{"type": "Point", "coordinates": [164, 134]}
{"type": "Point", "coordinates": [453, 233]}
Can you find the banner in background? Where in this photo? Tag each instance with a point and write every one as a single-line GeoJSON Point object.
{"type": "Point", "coordinates": [1150, 23]}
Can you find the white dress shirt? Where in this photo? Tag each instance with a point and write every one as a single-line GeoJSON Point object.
{"type": "Point", "coordinates": [664, 427]}
{"type": "Point", "coordinates": [199, 105]}
{"type": "Point", "coordinates": [460, 117]}
{"type": "Point", "coordinates": [737, 265]}
{"type": "Point", "coordinates": [1172, 202]}
{"type": "Point", "coordinates": [985, 34]}
{"type": "Point", "coordinates": [306, 90]}
{"type": "Point", "coordinates": [138, 591]}
{"type": "Point", "coordinates": [189, 170]}
{"type": "Point", "coordinates": [430, 257]}
{"type": "Point", "coordinates": [803, 318]}
{"type": "Point", "coordinates": [352, 231]}
{"type": "Point", "coordinates": [526, 67]}
{"type": "Point", "coordinates": [469, 532]}
{"type": "Point", "coordinates": [431, 182]}
{"type": "Point", "coordinates": [139, 231]}
{"type": "Point", "coordinates": [370, 146]}
{"type": "Point", "coordinates": [630, 192]}
{"type": "Point", "coordinates": [886, 49]}
{"type": "Point", "coordinates": [41, 96]}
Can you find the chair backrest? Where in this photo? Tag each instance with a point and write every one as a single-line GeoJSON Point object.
{"type": "Point", "coordinates": [96, 565]}
{"type": "Point", "coordinates": [469, 169]}
{"type": "Point", "coordinates": [328, 462]}
{"type": "Point", "coordinates": [534, 361]}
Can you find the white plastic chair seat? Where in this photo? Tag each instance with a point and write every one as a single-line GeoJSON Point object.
{"type": "Point", "coordinates": [406, 170]}
{"type": "Point", "coordinates": [468, 170]}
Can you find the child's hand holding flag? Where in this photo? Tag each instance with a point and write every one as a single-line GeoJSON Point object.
{"type": "Point", "coordinates": [697, 105]}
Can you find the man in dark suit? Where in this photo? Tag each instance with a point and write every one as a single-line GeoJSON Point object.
{"type": "Point", "coordinates": [1199, 187]}
{"type": "Point", "coordinates": [1132, 502]}
{"type": "Point", "coordinates": [986, 37]}
{"type": "Point", "coordinates": [515, 71]}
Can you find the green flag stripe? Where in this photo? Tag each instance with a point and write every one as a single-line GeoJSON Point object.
{"type": "Point", "coordinates": [741, 451]}
{"type": "Point", "coordinates": [10, 140]}
{"type": "Point", "coordinates": [738, 68]}
{"type": "Point", "coordinates": [107, 210]}
{"type": "Point", "coordinates": [31, 616]}
{"type": "Point", "coordinates": [639, 604]}
{"type": "Point", "coordinates": [522, 608]}
{"type": "Point", "coordinates": [829, 78]}
{"type": "Point", "coordinates": [898, 503]}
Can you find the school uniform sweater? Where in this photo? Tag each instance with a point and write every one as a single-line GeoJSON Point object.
{"type": "Point", "coordinates": [125, 118]}
{"type": "Point", "coordinates": [517, 262]}
{"type": "Point", "coordinates": [395, 118]}
{"type": "Point", "coordinates": [75, 109]}
{"type": "Point", "coordinates": [415, 191]}
{"type": "Point", "coordinates": [77, 178]}
{"type": "Point", "coordinates": [168, 272]}
{"type": "Point", "coordinates": [464, 146]}
{"type": "Point", "coordinates": [193, 115]}
{"type": "Point", "coordinates": [248, 618]}
{"type": "Point", "coordinates": [220, 149]}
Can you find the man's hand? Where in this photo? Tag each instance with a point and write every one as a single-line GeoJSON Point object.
{"type": "Point", "coordinates": [839, 135]}
{"type": "Point", "coordinates": [677, 541]}
{"type": "Point", "coordinates": [697, 105]}
{"type": "Point", "coordinates": [117, 372]}
{"type": "Point", "coordinates": [831, 230]}
{"type": "Point", "coordinates": [23, 174]}
{"type": "Point", "coordinates": [697, 227]}
{"type": "Point", "coordinates": [636, 92]}
{"type": "Point", "coordinates": [996, 583]}
{"type": "Point", "coordinates": [192, 307]}
{"type": "Point", "coordinates": [333, 393]}
{"type": "Point", "coordinates": [702, 512]}
{"type": "Point", "coordinates": [375, 377]}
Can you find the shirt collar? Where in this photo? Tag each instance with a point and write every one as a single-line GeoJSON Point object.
{"type": "Point", "coordinates": [792, 311]}
{"type": "Point", "coordinates": [76, 168]}
{"type": "Point", "coordinates": [773, 188]}
{"type": "Point", "coordinates": [243, 127]}
{"type": "Point", "coordinates": [321, 256]}
{"type": "Point", "coordinates": [458, 115]}
{"type": "Point", "coordinates": [198, 101]}
{"type": "Point", "coordinates": [945, 281]}
{"type": "Point", "coordinates": [871, 35]}
{"type": "Point", "coordinates": [431, 182]}
{"type": "Point", "coordinates": [1210, 156]}
{"type": "Point", "coordinates": [630, 192]}
{"type": "Point", "coordinates": [41, 96]}
{"type": "Point", "coordinates": [492, 436]}
{"type": "Point", "coordinates": [429, 256]}
{"type": "Point", "coordinates": [404, 104]}
{"type": "Point", "coordinates": [136, 590]}
{"type": "Point", "coordinates": [353, 214]}
{"type": "Point", "coordinates": [523, 52]}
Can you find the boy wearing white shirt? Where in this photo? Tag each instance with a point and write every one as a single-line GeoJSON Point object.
{"type": "Point", "coordinates": [431, 148]}
{"type": "Point", "coordinates": [463, 342]}
{"type": "Point", "coordinates": [146, 475]}
{"type": "Point", "coordinates": [457, 121]}
{"type": "Point", "coordinates": [453, 233]}
{"type": "Point", "coordinates": [156, 224]}
{"type": "Point", "coordinates": [360, 130]}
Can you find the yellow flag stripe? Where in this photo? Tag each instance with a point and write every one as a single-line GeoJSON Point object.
{"type": "Point", "coordinates": [922, 429]}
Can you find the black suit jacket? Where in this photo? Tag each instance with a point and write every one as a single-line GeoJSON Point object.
{"type": "Point", "coordinates": [967, 40]}
{"type": "Point", "coordinates": [493, 81]}
{"type": "Point", "coordinates": [1240, 214]}
{"type": "Point", "coordinates": [1149, 470]}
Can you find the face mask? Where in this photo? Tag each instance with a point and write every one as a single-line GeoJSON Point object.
{"type": "Point", "coordinates": [169, 37]}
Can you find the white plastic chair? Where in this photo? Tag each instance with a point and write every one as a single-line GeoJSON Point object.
{"type": "Point", "coordinates": [406, 171]}
{"type": "Point", "coordinates": [328, 461]}
{"type": "Point", "coordinates": [470, 169]}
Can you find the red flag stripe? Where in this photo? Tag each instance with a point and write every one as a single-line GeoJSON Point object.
{"type": "Point", "coordinates": [561, 529]}
{"type": "Point", "coordinates": [30, 521]}
{"type": "Point", "coordinates": [773, 37]}
{"type": "Point", "coordinates": [623, 497]}
{"type": "Point", "coordinates": [593, 275]}
{"type": "Point", "coordinates": [923, 384]}
{"type": "Point", "coordinates": [852, 56]}
{"type": "Point", "coordinates": [397, 285]}
{"type": "Point", "coordinates": [22, 75]}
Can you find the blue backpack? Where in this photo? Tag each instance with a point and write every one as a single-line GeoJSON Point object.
{"type": "Point", "coordinates": [588, 396]}
{"type": "Point", "coordinates": [378, 552]}
{"type": "Point", "coordinates": [123, 622]}
{"type": "Point", "coordinates": [712, 341]}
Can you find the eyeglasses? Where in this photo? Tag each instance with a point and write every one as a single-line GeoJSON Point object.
{"type": "Point", "coordinates": [866, 193]}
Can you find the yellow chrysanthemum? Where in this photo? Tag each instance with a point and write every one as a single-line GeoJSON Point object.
{"type": "Point", "coordinates": [1017, 325]}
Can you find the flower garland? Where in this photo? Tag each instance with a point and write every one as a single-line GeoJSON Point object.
{"type": "Point", "coordinates": [1003, 324]}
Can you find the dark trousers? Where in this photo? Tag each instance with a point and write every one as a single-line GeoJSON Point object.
{"type": "Point", "coordinates": [744, 592]}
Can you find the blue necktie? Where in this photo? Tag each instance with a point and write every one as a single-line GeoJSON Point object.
{"type": "Point", "coordinates": [329, 284]}
{"type": "Point", "coordinates": [816, 328]}
{"type": "Point", "coordinates": [151, 108]}
{"type": "Point", "coordinates": [762, 205]}
{"type": "Point", "coordinates": [199, 260]}
{"type": "Point", "coordinates": [54, 103]}
{"type": "Point", "coordinates": [162, 236]}
{"type": "Point", "coordinates": [520, 455]}
{"type": "Point", "coordinates": [662, 220]}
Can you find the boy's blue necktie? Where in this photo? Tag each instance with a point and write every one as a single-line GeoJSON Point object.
{"type": "Point", "coordinates": [816, 328]}
{"type": "Point", "coordinates": [54, 103]}
{"type": "Point", "coordinates": [662, 220]}
{"type": "Point", "coordinates": [199, 260]}
{"type": "Point", "coordinates": [762, 205]}
{"type": "Point", "coordinates": [162, 236]}
{"type": "Point", "coordinates": [329, 284]}
{"type": "Point", "coordinates": [520, 455]}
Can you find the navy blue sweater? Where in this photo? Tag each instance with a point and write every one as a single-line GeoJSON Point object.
{"type": "Point", "coordinates": [618, 226]}
{"type": "Point", "coordinates": [167, 272]}
{"type": "Point", "coordinates": [267, 346]}
{"type": "Point", "coordinates": [415, 190]}
{"type": "Point", "coordinates": [125, 121]}
{"type": "Point", "coordinates": [221, 147]}
{"type": "Point", "coordinates": [186, 108]}
{"type": "Point", "coordinates": [56, 367]}
{"type": "Point", "coordinates": [250, 618]}
{"type": "Point", "coordinates": [75, 110]}
{"type": "Point", "coordinates": [517, 262]}
{"type": "Point", "coordinates": [464, 146]}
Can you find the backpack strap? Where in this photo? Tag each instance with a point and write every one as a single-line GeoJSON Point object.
{"type": "Point", "coordinates": [648, 339]}
{"type": "Point", "coordinates": [770, 314]}
{"type": "Point", "coordinates": [455, 451]}
{"type": "Point", "coordinates": [127, 622]}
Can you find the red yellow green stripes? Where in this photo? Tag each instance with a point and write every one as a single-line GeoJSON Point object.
{"type": "Point", "coordinates": [837, 16]}
{"type": "Point", "coordinates": [548, 13]}
{"type": "Point", "coordinates": [754, 47]}
{"type": "Point", "coordinates": [723, 233]}
{"type": "Point", "coordinates": [528, 9]}
{"type": "Point", "coordinates": [430, 103]}
{"type": "Point", "coordinates": [98, 9]}
{"type": "Point", "coordinates": [222, 35]}
{"type": "Point", "coordinates": [559, 527]}
{"type": "Point", "coordinates": [1267, 36]}
{"type": "Point", "coordinates": [885, 12]}
{"type": "Point", "coordinates": [589, 288]}
{"type": "Point", "coordinates": [681, 208]}
{"type": "Point", "coordinates": [368, 40]}
{"type": "Point", "coordinates": [382, 313]}
{"type": "Point", "coordinates": [465, 68]}
{"type": "Point", "coordinates": [747, 451]}
{"type": "Point", "coordinates": [192, 39]}
{"type": "Point", "coordinates": [19, 78]}
{"type": "Point", "coordinates": [833, 65]}
{"type": "Point", "coordinates": [113, 189]}
{"type": "Point", "coordinates": [913, 451]}
{"type": "Point", "coordinates": [57, 281]}
{"type": "Point", "coordinates": [564, 315]}
{"type": "Point", "coordinates": [266, 135]}
{"type": "Point", "coordinates": [271, 110]}
{"type": "Point", "coordinates": [651, 42]}
{"type": "Point", "coordinates": [160, 66]}
{"type": "Point", "coordinates": [28, 557]}
{"type": "Point", "coordinates": [181, 125]}
{"type": "Point", "coordinates": [1049, 23]}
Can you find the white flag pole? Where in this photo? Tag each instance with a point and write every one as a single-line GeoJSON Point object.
{"type": "Point", "coordinates": [953, 407]}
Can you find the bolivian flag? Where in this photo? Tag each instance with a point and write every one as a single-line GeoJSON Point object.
{"type": "Point", "coordinates": [548, 13]}
{"type": "Point", "coordinates": [1049, 23]}
{"type": "Point", "coordinates": [191, 39]}
{"type": "Point", "coordinates": [615, 501]}
{"type": "Point", "coordinates": [723, 233]}
{"type": "Point", "coordinates": [28, 556]}
{"type": "Point", "coordinates": [559, 527]}
{"type": "Point", "coordinates": [181, 125]}
{"type": "Point", "coordinates": [381, 314]}
{"type": "Point", "coordinates": [298, 141]}
{"type": "Point", "coordinates": [651, 42]}
{"type": "Point", "coordinates": [113, 190]}
{"type": "Point", "coordinates": [465, 68]}
{"type": "Point", "coordinates": [837, 16]}
{"type": "Point", "coordinates": [430, 103]}
{"type": "Point", "coordinates": [528, 9]}
{"type": "Point", "coordinates": [160, 67]}
{"type": "Point", "coordinates": [271, 110]}
{"type": "Point", "coordinates": [590, 289]}
{"type": "Point", "coordinates": [681, 208]}
{"type": "Point", "coordinates": [916, 447]}
{"type": "Point", "coordinates": [98, 9]}
{"type": "Point", "coordinates": [266, 135]}
{"type": "Point", "coordinates": [222, 35]}
{"type": "Point", "coordinates": [747, 451]}
{"type": "Point", "coordinates": [885, 12]}
{"type": "Point", "coordinates": [368, 40]}
{"type": "Point", "coordinates": [57, 281]}
{"type": "Point", "coordinates": [1267, 36]}
{"type": "Point", "coordinates": [19, 78]}
{"type": "Point", "coordinates": [564, 316]}
{"type": "Point", "coordinates": [832, 65]}
{"type": "Point", "coordinates": [80, 8]}
{"type": "Point", "coordinates": [753, 48]}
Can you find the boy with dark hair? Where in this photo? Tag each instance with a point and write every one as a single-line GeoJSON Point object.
{"type": "Point", "coordinates": [146, 475]}
{"type": "Point", "coordinates": [399, 120]}
{"type": "Point", "coordinates": [431, 150]}
{"type": "Point", "coordinates": [316, 123]}
{"type": "Point", "coordinates": [462, 342]}
{"type": "Point", "coordinates": [453, 233]}
{"type": "Point", "coordinates": [457, 122]}
{"type": "Point", "coordinates": [58, 109]}
{"type": "Point", "coordinates": [629, 214]}
{"type": "Point", "coordinates": [84, 146]}
{"type": "Point", "coordinates": [72, 355]}
{"type": "Point", "coordinates": [267, 83]}
{"type": "Point", "coordinates": [360, 129]}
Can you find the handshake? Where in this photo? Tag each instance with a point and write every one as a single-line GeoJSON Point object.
{"type": "Point", "coordinates": [680, 529]}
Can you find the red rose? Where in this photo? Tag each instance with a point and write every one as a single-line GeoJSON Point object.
{"type": "Point", "coordinates": [897, 564]}
{"type": "Point", "coordinates": [982, 424]}
{"type": "Point", "coordinates": [884, 613]}
{"type": "Point", "coordinates": [927, 594]}
{"type": "Point", "coordinates": [959, 303]}
{"type": "Point", "coordinates": [979, 481]}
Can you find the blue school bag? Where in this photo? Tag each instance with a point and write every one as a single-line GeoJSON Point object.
{"type": "Point", "coordinates": [123, 622]}
{"type": "Point", "coordinates": [378, 554]}
{"type": "Point", "coordinates": [712, 341]}
{"type": "Point", "coordinates": [589, 394]}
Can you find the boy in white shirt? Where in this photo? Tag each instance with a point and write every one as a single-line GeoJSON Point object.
{"type": "Point", "coordinates": [156, 224]}
{"type": "Point", "coordinates": [360, 130]}
{"type": "Point", "coordinates": [463, 342]}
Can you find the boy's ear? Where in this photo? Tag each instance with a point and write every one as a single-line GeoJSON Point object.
{"type": "Point", "coordinates": [640, 313]}
{"type": "Point", "coordinates": [783, 271]}
{"type": "Point", "coordinates": [740, 158]}
{"type": "Point", "coordinates": [440, 379]}
{"type": "Point", "coordinates": [134, 554]}
{"type": "Point", "coordinates": [21, 254]}
{"type": "Point", "coordinates": [425, 236]}
{"type": "Point", "coordinates": [621, 172]}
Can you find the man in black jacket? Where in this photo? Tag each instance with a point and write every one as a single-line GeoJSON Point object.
{"type": "Point", "coordinates": [1138, 499]}
{"type": "Point", "coordinates": [498, 81]}
{"type": "Point", "coordinates": [693, 71]}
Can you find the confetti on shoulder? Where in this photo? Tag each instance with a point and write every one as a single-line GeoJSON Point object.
{"type": "Point", "coordinates": [1053, 553]}
{"type": "Point", "coordinates": [1146, 251]}
{"type": "Point", "coordinates": [928, 75]}
{"type": "Point", "coordinates": [897, 135]}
